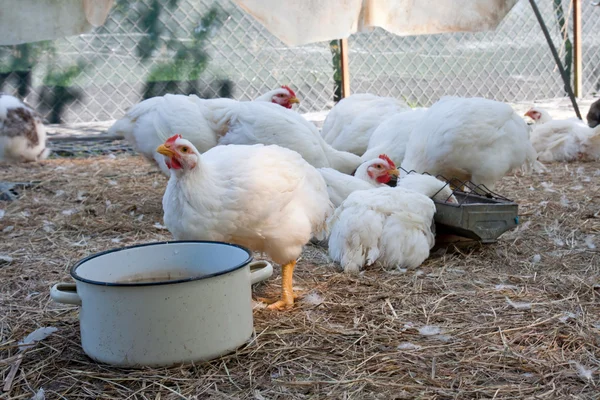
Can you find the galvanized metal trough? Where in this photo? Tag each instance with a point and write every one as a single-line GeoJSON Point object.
{"type": "Point", "coordinates": [480, 214]}
{"type": "Point", "coordinates": [476, 217]}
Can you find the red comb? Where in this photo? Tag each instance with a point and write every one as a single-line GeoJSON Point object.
{"type": "Point", "coordinates": [389, 161]}
{"type": "Point", "coordinates": [292, 93]}
{"type": "Point", "coordinates": [173, 138]}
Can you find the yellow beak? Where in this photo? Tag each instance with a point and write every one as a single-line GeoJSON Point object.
{"type": "Point", "coordinates": [294, 100]}
{"type": "Point", "coordinates": [394, 172]}
{"type": "Point", "coordinates": [165, 151]}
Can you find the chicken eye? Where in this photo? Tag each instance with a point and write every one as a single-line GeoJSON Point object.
{"type": "Point", "coordinates": [378, 166]}
{"type": "Point", "coordinates": [184, 149]}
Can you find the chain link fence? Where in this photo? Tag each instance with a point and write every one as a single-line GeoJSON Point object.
{"type": "Point", "coordinates": [213, 49]}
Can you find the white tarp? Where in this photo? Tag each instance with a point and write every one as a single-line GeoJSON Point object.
{"type": "Point", "coordinates": [23, 21]}
{"type": "Point", "coordinates": [297, 22]}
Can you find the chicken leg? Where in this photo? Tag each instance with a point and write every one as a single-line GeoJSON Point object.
{"type": "Point", "coordinates": [287, 290]}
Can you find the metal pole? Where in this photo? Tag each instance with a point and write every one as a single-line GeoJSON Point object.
{"type": "Point", "coordinates": [345, 68]}
{"type": "Point", "coordinates": [563, 73]}
{"type": "Point", "coordinates": [578, 56]}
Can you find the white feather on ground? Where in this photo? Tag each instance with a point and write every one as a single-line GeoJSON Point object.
{"type": "Point", "coordinates": [36, 336]}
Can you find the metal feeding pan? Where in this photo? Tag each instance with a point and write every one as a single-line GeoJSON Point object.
{"type": "Point", "coordinates": [480, 214]}
{"type": "Point", "coordinates": [476, 217]}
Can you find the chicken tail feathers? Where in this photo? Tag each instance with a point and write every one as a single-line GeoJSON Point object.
{"type": "Point", "coordinates": [121, 127]}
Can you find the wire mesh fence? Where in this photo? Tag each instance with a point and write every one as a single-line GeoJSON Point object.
{"type": "Point", "coordinates": [213, 49]}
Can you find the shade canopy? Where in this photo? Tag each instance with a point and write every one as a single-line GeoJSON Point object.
{"type": "Point", "coordinates": [297, 22]}
{"type": "Point", "coordinates": [24, 21]}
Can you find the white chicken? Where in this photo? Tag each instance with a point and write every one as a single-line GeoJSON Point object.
{"type": "Point", "coordinates": [22, 133]}
{"type": "Point", "coordinates": [563, 140]}
{"type": "Point", "coordinates": [370, 174]}
{"type": "Point", "coordinates": [265, 123]}
{"type": "Point", "coordinates": [469, 139]}
{"type": "Point", "coordinates": [392, 135]}
{"type": "Point", "coordinates": [212, 122]}
{"type": "Point", "coordinates": [391, 226]}
{"type": "Point", "coordinates": [284, 96]}
{"type": "Point", "coordinates": [351, 122]}
{"type": "Point", "coordinates": [266, 198]}
{"type": "Point", "coordinates": [150, 122]}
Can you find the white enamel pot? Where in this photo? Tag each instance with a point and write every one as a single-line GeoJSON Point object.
{"type": "Point", "coordinates": [166, 303]}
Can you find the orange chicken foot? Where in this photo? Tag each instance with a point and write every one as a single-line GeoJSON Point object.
{"type": "Point", "coordinates": [287, 290]}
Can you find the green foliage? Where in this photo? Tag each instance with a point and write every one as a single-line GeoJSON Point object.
{"type": "Point", "coordinates": [64, 77]}
{"type": "Point", "coordinates": [23, 57]}
{"type": "Point", "coordinates": [559, 13]}
{"type": "Point", "coordinates": [190, 58]}
{"type": "Point", "coordinates": [150, 23]}
{"type": "Point", "coordinates": [336, 59]}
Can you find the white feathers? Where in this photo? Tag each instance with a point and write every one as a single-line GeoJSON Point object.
{"type": "Point", "coordinates": [589, 242]}
{"type": "Point", "coordinates": [217, 199]}
{"type": "Point", "coordinates": [430, 330]}
{"type": "Point", "coordinates": [502, 286]}
{"type": "Point", "coordinates": [38, 335]}
{"type": "Point", "coordinates": [495, 138]}
{"type": "Point", "coordinates": [583, 372]}
{"type": "Point", "coordinates": [149, 123]}
{"type": "Point", "coordinates": [408, 346]}
{"type": "Point", "coordinates": [563, 140]}
{"type": "Point", "coordinates": [159, 226]}
{"type": "Point", "coordinates": [389, 225]}
{"type": "Point", "coordinates": [352, 121]}
{"type": "Point", "coordinates": [391, 136]}
{"type": "Point", "coordinates": [207, 123]}
{"type": "Point", "coordinates": [39, 395]}
{"type": "Point", "coordinates": [518, 306]}
{"type": "Point", "coordinates": [313, 298]}
{"type": "Point", "coordinates": [429, 186]}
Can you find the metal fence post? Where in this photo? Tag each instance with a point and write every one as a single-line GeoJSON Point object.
{"type": "Point", "coordinates": [561, 68]}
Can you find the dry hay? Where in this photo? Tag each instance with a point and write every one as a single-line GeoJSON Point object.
{"type": "Point", "coordinates": [515, 319]}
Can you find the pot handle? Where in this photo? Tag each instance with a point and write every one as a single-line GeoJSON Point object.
{"type": "Point", "coordinates": [260, 271]}
{"type": "Point", "coordinates": [65, 293]}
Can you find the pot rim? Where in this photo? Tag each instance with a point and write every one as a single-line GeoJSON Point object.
{"type": "Point", "coordinates": [75, 276]}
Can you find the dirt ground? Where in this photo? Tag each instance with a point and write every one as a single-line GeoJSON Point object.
{"type": "Point", "coordinates": [519, 318]}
